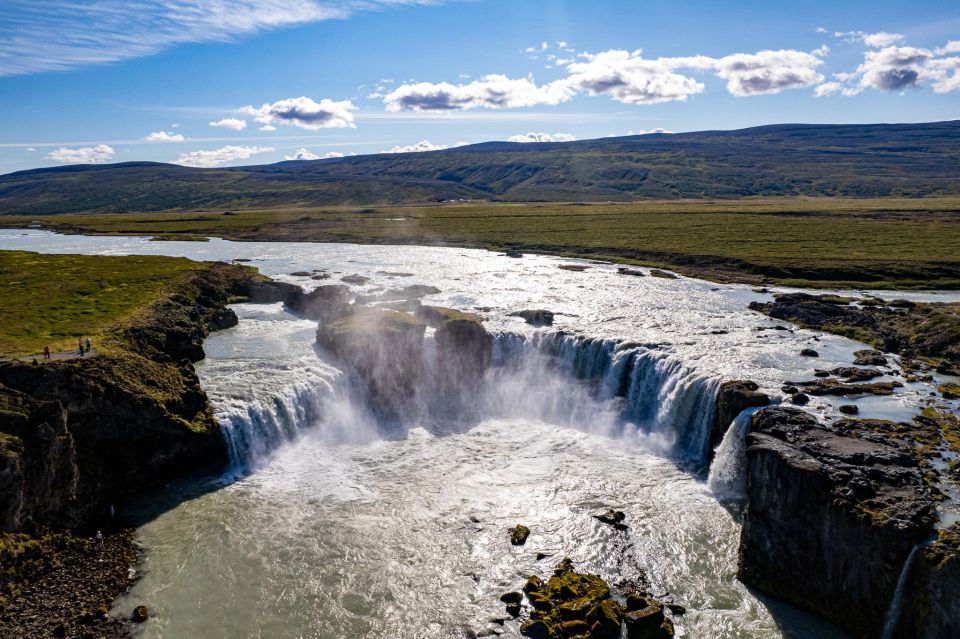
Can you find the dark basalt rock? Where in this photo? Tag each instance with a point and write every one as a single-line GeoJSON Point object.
{"type": "Point", "coordinates": [832, 514]}
{"type": "Point", "coordinates": [809, 352]}
{"type": "Point", "coordinates": [854, 374]}
{"type": "Point", "coordinates": [325, 303]}
{"type": "Point", "coordinates": [519, 534]}
{"type": "Point", "coordinates": [140, 614]}
{"type": "Point", "coordinates": [733, 398]}
{"type": "Point", "coordinates": [630, 271]}
{"type": "Point", "coordinates": [800, 399]}
{"type": "Point", "coordinates": [412, 292]}
{"type": "Point", "coordinates": [613, 518]}
{"type": "Point", "coordinates": [535, 317]}
{"type": "Point", "coordinates": [654, 272]}
{"type": "Point", "coordinates": [269, 292]}
{"type": "Point", "coordinates": [910, 329]}
{"type": "Point", "coordinates": [828, 386]}
{"type": "Point", "coordinates": [849, 409]}
{"type": "Point", "coordinates": [358, 280]}
{"type": "Point", "coordinates": [869, 357]}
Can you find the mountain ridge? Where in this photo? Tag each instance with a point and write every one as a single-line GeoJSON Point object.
{"type": "Point", "coordinates": [862, 160]}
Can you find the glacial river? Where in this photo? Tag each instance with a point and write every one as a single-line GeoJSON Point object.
{"type": "Point", "coordinates": [330, 525]}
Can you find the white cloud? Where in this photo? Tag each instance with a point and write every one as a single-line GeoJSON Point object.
{"type": "Point", "coordinates": [821, 30]}
{"type": "Point", "coordinates": [491, 92]}
{"type": "Point", "coordinates": [57, 35]}
{"type": "Point", "coordinates": [624, 76]}
{"type": "Point", "coordinates": [306, 154]}
{"type": "Point", "coordinates": [630, 78]}
{"type": "Point", "coordinates": [31, 149]}
{"type": "Point", "coordinates": [542, 137]}
{"type": "Point", "coordinates": [223, 155]}
{"type": "Point", "coordinates": [268, 128]}
{"type": "Point", "coordinates": [230, 123]}
{"type": "Point", "coordinates": [767, 72]}
{"type": "Point", "coordinates": [419, 147]}
{"type": "Point", "coordinates": [899, 68]}
{"type": "Point", "coordinates": [83, 155]}
{"type": "Point", "coordinates": [876, 40]}
{"type": "Point", "coordinates": [163, 136]}
{"type": "Point", "coordinates": [305, 113]}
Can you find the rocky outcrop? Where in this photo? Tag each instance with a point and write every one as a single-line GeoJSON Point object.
{"type": "Point", "coordinates": [911, 329]}
{"type": "Point", "coordinates": [464, 349]}
{"type": "Point", "coordinates": [386, 349]}
{"type": "Point", "coordinates": [733, 397]}
{"type": "Point", "coordinates": [832, 515]}
{"type": "Point", "coordinates": [324, 303]}
{"type": "Point", "coordinates": [78, 436]}
{"type": "Point", "coordinates": [929, 606]}
{"type": "Point", "coordinates": [535, 317]}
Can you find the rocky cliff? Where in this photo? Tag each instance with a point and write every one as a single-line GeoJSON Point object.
{"type": "Point", "coordinates": [77, 436]}
{"type": "Point", "coordinates": [833, 512]}
{"type": "Point", "coordinates": [929, 606]}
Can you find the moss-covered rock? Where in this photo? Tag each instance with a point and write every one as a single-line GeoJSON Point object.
{"type": "Point", "coordinates": [519, 534]}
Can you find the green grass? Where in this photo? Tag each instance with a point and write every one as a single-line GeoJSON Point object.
{"type": "Point", "coordinates": [52, 300]}
{"type": "Point", "coordinates": [881, 243]}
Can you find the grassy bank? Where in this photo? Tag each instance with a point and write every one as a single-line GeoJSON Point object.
{"type": "Point", "coordinates": [52, 300]}
{"type": "Point", "coordinates": [879, 243]}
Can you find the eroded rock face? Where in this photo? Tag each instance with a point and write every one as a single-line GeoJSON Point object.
{"type": "Point", "coordinates": [324, 303]}
{"type": "Point", "coordinates": [464, 348]}
{"type": "Point", "coordinates": [831, 516]}
{"type": "Point", "coordinates": [733, 398]}
{"type": "Point", "coordinates": [385, 348]}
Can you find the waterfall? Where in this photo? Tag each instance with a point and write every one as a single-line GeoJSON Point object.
{"type": "Point", "coordinates": [893, 612]}
{"type": "Point", "coordinates": [647, 387]}
{"type": "Point", "coordinates": [728, 472]}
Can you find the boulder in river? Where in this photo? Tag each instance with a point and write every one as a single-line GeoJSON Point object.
{"type": "Point", "coordinates": [140, 614]}
{"type": "Point", "coordinates": [830, 386]}
{"type": "Point", "coordinates": [519, 534]}
{"type": "Point", "coordinates": [613, 518]}
{"type": "Point", "coordinates": [631, 271]}
{"type": "Point", "coordinates": [809, 352]}
{"type": "Point", "coordinates": [849, 409]}
{"type": "Point", "coordinates": [666, 275]}
{"type": "Point", "coordinates": [869, 357]}
{"type": "Point", "coordinates": [535, 317]}
{"type": "Point", "coordinates": [860, 500]}
{"type": "Point", "coordinates": [358, 280]}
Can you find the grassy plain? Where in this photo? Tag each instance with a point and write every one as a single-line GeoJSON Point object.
{"type": "Point", "coordinates": [54, 299]}
{"type": "Point", "coordinates": [837, 242]}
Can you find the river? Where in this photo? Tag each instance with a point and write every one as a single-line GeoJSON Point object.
{"type": "Point", "coordinates": [331, 525]}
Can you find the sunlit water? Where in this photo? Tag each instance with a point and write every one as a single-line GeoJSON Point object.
{"type": "Point", "coordinates": [332, 525]}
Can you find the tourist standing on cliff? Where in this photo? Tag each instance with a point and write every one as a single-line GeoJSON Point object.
{"type": "Point", "coordinates": [46, 352]}
{"type": "Point", "coordinates": [88, 344]}
{"type": "Point", "coordinates": [80, 344]}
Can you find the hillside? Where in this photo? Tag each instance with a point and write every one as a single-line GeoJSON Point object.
{"type": "Point", "coordinates": [901, 160]}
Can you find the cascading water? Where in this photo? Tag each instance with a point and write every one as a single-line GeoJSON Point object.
{"type": "Point", "coordinates": [896, 604]}
{"type": "Point", "coordinates": [668, 403]}
{"type": "Point", "coordinates": [728, 472]}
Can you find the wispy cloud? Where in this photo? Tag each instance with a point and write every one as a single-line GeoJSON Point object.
{"type": "Point", "coordinates": [59, 35]}
{"type": "Point", "coordinates": [223, 155]}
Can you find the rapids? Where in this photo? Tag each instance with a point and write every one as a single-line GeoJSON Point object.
{"type": "Point", "coordinates": [329, 524]}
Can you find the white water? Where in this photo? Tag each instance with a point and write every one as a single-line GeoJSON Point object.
{"type": "Point", "coordinates": [896, 604]}
{"type": "Point", "coordinates": [727, 478]}
{"type": "Point", "coordinates": [334, 525]}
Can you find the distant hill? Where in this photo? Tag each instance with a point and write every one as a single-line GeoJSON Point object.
{"type": "Point", "coordinates": [876, 160]}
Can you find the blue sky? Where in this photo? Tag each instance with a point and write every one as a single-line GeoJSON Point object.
{"type": "Point", "coordinates": [91, 80]}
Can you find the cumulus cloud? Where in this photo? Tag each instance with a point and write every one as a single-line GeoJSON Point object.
{"type": "Point", "coordinates": [491, 91]}
{"type": "Point", "coordinates": [631, 78]}
{"type": "Point", "coordinates": [268, 128]}
{"type": "Point", "coordinates": [163, 136]}
{"type": "Point", "coordinates": [542, 137]}
{"type": "Point", "coordinates": [624, 76]}
{"type": "Point", "coordinates": [223, 155]}
{"type": "Point", "coordinates": [419, 147]}
{"type": "Point", "coordinates": [230, 123]}
{"type": "Point", "coordinates": [305, 113]}
{"type": "Point", "coordinates": [57, 35]}
{"type": "Point", "coordinates": [768, 71]}
{"type": "Point", "coordinates": [83, 155]}
{"type": "Point", "coordinates": [898, 69]}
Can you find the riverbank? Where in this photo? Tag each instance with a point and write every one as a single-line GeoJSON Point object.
{"type": "Point", "coordinates": [80, 436]}
{"type": "Point", "coordinates": [807, 242]}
